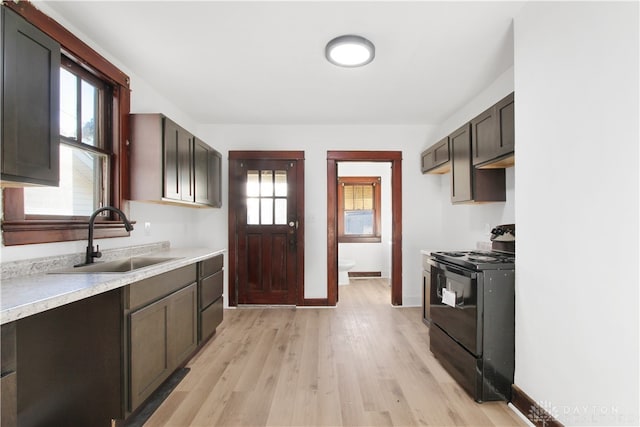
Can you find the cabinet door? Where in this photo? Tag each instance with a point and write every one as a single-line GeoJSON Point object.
{"type": "Point", "coordinates": [183, 325]}
{"type": "Point", "coordinates": [484, 136]}
{"type": "Point", "coordinates": [435, 159]}
{"type": "Point", "coordinates": [178, 162]}
{"type": "Point", "coordinates": [187, 167]}
{"type": "Point", "coordinates": [149, 364]}
{"type": "Point", "coordinates": [215, 178]}
{"type": "Point", "coordinates": [460, 144]}
{"type": "Point", "coordinates": [505, 114]}
{"type": "Point", "coordinates": [203, 187]}
{"type": "Point", "coordinates": [30, 103]}
{"type": "Point", "coordinates": [207, 170]}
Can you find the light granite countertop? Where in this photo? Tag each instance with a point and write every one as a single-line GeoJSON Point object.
{"type": "Point", "coordinates": [27, 295]}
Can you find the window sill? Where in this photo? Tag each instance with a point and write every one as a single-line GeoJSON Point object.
{"type": "Point", "coordinates": [49, 231]}
{"type": "Point", "coordinates": [359, 239]}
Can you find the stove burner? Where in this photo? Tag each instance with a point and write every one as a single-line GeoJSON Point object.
{"type": "Point", "coordinates": [483, 258]}
{"type": "Point", "coordinates": [454, 254]}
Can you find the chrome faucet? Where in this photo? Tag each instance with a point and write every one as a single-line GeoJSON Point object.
{"type": "Point", "coordinates": [91, 254]}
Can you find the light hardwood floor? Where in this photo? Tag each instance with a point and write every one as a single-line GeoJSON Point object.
{"type": "Point", "coordinates": [362, 363]}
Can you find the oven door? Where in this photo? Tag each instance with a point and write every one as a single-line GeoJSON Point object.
{"type": "Point", "coordinates": [458, 314]}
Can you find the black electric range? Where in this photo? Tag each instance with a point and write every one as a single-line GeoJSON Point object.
{"type": "Point", "coordinates": [472, 308]}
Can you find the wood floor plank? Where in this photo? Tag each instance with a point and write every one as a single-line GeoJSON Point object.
{"type": "Point", "coordinates": [362, 363]}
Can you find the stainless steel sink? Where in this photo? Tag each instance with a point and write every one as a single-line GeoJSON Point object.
{"type": "Point", "coordinates": [118, 266]}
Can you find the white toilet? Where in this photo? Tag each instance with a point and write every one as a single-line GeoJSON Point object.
{"type": "Point", "coordinates": [344, 265]}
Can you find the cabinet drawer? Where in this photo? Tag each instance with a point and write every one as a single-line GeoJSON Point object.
{"type": "Point", "coordinates": [211, 265]}
{"type": "Point", "coordinates": [459, 363]}
{"type": "Point", "coordinates": [148, 290]}
{"type": "Point", "coordinates": [211, 318]}
{"type": "Point", "coordinates": [211, 289]}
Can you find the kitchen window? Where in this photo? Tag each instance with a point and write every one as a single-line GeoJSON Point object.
{"type": "Point", "coordinates": [84, 149]}
{"type": "Point", "coordinates": [94, 117]}
{"type": "Point", "coordinates": [359, 210]}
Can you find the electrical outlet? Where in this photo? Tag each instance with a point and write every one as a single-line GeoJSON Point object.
{"type": "Point", "coordinates": [147, 229]}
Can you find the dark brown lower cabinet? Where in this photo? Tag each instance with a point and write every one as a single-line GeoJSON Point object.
{"type": "Point", "coordinates": [210, 279]}
{"type": "Point", "coordinates": [163, 335]}
{"type": "Point", "coordinates": [149, 361]}
{"type": "Point", "coordinates": [95, 361]}
{"type": "Point", "coordinates": [162, 330]}
{"type": "Point", "coordinates": [69, 364]}
{"type": "Point", "coordinates": [8, 378]}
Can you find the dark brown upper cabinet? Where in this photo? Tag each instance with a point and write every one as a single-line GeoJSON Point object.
{"type": "Point", "coordinates": [179, 168]}
{"type": "Point", "coordinates": [435, 159]}
{"type": "Point", "coordinates": [170, 165]}
{"type": "Point", "coordinates": [208, 188]}
{"type": "Point", "coordinates": [30, 103]}
{"type": "Point", "coordinates": [468, 183]}
{"type": "Point", "coordinates": [493, 135]}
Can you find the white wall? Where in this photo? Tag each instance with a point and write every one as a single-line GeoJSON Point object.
{"type": "Point", "coordinates": [371, 256]}
{"type": "Point", "coordinates": [466, 225]}
{"type": "Point", "coordinates": [576, 81]}
{"type": "Point", "coordinates": [421, 214]}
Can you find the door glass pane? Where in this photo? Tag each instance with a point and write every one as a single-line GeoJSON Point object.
{"type": "Point", "coordinates": [82, 187]}
{"type": "Point", "coordinates": [266, 185]}
{"type": "Point", "coordinates": [281, 211]}
{"type": "Point", "coordinates": [89, 112]}
{"type": "Point", "coordinates": [253, 184]}
{"type": "Point", "coordinates": [281, 183]}
{"type": "Point", "coordinates": [68, 104]}
{"type": "Point", "coordinates": [253, 211]}
{"type": "Point", "coordinates": [266, 211]}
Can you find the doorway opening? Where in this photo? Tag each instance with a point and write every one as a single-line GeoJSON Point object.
{"type": "Point", "coordinates": [395, 159]}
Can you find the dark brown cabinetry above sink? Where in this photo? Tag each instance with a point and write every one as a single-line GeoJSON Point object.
{"type": "Point", "coordinates": [170, 165]}
{"type": "Point", "coordinates": [30, 103]}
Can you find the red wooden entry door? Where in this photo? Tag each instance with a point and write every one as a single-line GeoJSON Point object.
{"type": "Point", "coordinates": [267, 242]}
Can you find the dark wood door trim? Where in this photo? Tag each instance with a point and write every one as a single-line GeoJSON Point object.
{"type": "Point", "coordinates": [395, 158]}
{"type": "Point", "coordinates": [235, 198]}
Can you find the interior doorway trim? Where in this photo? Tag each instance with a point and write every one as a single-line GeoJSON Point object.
{"type": "Point", "coordinates": [395, 158]}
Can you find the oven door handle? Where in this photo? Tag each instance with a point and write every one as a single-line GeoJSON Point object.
{"type": "Point", "coordinates": [448, 268]}
{"type": "Point", "coordinates": [439, 286]}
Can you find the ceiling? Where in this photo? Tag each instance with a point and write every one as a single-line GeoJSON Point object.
{"type": "Point", "coordinates": [263, 62]}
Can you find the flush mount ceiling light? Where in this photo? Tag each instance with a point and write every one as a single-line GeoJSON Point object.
{"type": "Point", "coordinates": [350, 51]}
